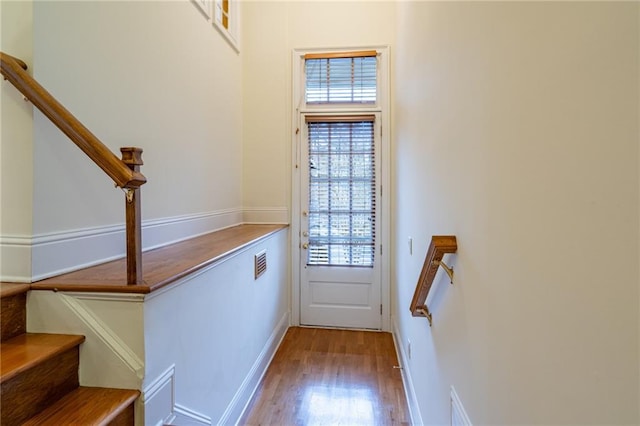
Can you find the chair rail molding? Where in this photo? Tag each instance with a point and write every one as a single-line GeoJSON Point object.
{"type": "Point", "coordinates": [67, 251]}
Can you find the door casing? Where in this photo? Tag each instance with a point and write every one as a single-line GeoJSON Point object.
{"type": "Point", "coordinates": [384, 208]}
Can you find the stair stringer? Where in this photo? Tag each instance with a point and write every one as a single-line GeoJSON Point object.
{"type": "Point", "coordinates": [113, 353]}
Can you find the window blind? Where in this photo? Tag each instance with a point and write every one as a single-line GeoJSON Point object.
{"type": "Point", "coordinates": [341, 79]}
{"type": "Point", "coordinates": [342, 199]}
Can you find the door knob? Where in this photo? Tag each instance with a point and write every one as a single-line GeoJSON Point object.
{"type": "Point", "coordinates": [305, 213]}
{"type": "Point", "coordinates": [305, 246]}
{"type": "Point", "coordinates": [305, 234]}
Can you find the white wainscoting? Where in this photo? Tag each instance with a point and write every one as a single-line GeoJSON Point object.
{"type": "Point", "coordinates": [15, 259]}
{"type": "Point", "coordinates": [58, 253]}
{"type": "Point", "coordinates": [266, 215]}
{"type": "Point", "coordinates": [196, 349]}
{"type": "Point", "coordinates": [219, 327]}
{"type": "Point", "coordinates": [156, 404]}
{"type": "Point", "coordinates": [183, 416]}
{"type": "Point", "coordinates": [28, 259]}
{"type": "Point", "coordinates": [243, 396]}
{"type": "Point", "coordinates": [158, 400]}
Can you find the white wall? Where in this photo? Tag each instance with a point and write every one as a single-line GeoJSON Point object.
{"type": "Point", "coordinates": [516, 129]}
{"type": "Point", "coordinates": [112, 354]}
{"type": "Point", "coordinates": [16, 149]}
{"type": "Point", "coordinates": [272, 29]}
{"type": "Point", "coordinates": [150, 74]}
{"type": "Point", "coordinates": [196, 349]}
{"type": "Point", "coordinates": [219, 329]}
{"type": "Point", "coordinates": [215, 125]}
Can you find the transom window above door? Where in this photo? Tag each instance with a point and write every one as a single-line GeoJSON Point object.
{"type": "Point", "coordinates": [341, 78]}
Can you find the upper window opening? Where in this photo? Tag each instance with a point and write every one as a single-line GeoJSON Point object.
{"type": "Point", "coordinates": [225, 19]}
{"type": "Point", "coordinates": [224, 16]}
{"type": "Point", "coordinates": [222, 13]}
{"type": "Point", "coordinates": [341, 78]}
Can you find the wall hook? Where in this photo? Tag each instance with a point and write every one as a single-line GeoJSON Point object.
{"type": "Point", "coordinates": [447, 269]}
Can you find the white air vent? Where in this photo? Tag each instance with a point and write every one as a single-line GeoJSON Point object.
{"type": "Point", "coordinates": [260, 262]}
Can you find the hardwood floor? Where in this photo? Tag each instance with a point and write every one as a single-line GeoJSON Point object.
{"type": "Point", "coordinates": [331, 377]}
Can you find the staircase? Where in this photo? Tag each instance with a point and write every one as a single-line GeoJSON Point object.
{"type": "Point", "coordinates": [39, 375]}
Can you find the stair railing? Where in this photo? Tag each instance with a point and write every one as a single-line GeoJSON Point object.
{"type": "Point", "coordinates": [439, 246]}
{"type": "Point", "coordinates": [125, 172]}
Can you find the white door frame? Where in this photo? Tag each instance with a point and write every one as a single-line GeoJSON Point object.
{"type": "Point", "coordinates": [384, 207]}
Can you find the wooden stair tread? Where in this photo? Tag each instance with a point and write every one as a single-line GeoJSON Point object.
{"type": "Point", "coordinates": [9, 289]}
{"type": "Point", "coordinates": [23, 352]}
{"type": "Point", "coordinates": [86, 406]}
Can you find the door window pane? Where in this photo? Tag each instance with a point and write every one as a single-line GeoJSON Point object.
{"type": "Point", "coordinates": [341, 193]}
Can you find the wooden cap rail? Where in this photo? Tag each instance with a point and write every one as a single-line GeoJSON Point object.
{"type": "Point", "coordinates": [125, 173]}
{"type": "Point", "coordinates": [440, 245]}
{"type": "Point", "coordinates": [13, 69]}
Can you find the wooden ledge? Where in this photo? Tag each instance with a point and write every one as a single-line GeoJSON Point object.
{"type": "Point", "coordinates": [161, 266]}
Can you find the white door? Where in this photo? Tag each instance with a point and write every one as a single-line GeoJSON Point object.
{"type": "Point", "coordinates": [340, 254]}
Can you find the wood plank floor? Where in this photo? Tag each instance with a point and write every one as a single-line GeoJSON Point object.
{"type": "Point", "coordinates": [331, 377]}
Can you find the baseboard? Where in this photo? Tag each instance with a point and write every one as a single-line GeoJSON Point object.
{"type": "Point", "coordinates": [266, 215]}
{"type": "Point", "coordinates": [15, 259]}
{"type": "Point", "coordinates": [235, 410]}
{"type": "Point", "coordinates": [412, 400]}
{"type": "Point", "coordinates": [58, 253]}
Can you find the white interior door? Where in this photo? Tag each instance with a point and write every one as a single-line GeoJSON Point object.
{"type": "Point", "coordinates": [340, 282]}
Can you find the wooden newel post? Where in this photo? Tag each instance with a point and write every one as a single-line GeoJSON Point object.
{"type": "Point", "coordinates": [132, 157]}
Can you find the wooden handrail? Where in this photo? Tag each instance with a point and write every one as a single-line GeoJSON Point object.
{"type": "Point", "coordinates": [439, 246]}
{"type": "Point", "coordinates": [13, 69]}
{"type": "Point", "coordinates": [125, 172]}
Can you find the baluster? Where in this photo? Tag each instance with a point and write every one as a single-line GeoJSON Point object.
{"type": "Point", "coordinates": [132, 157]}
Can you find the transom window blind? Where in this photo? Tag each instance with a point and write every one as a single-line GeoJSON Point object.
{"type": "Point", "coordinates": [342, 199]}
{"type": "Point", "coordinates": [341, 78]}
